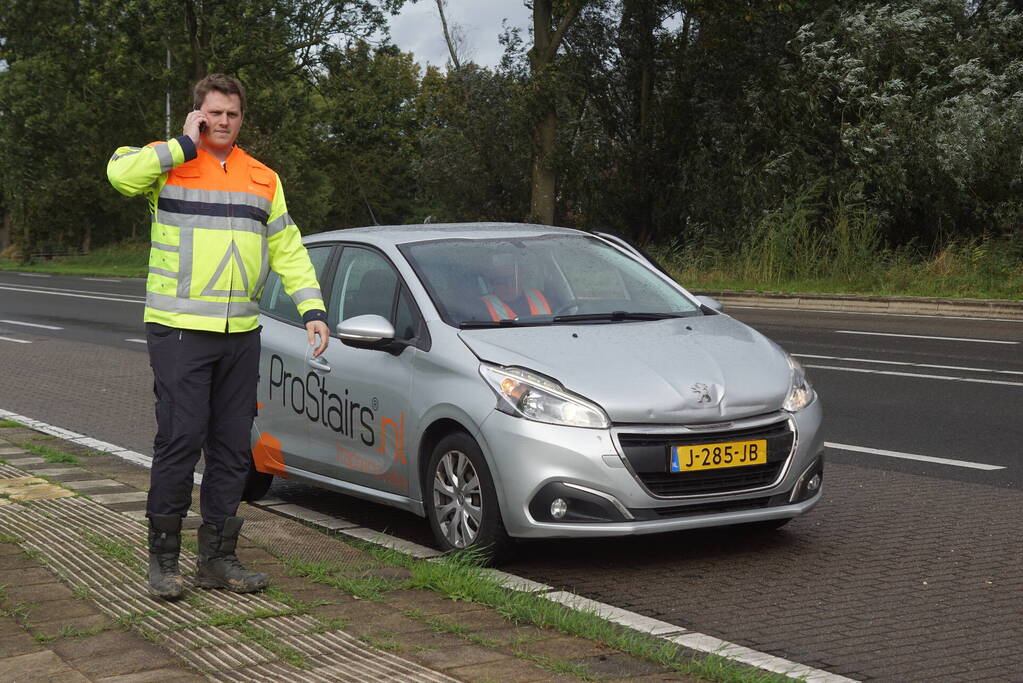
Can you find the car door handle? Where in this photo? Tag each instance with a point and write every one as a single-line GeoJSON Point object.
{"type": "Point", "coordinates": [318, 364]}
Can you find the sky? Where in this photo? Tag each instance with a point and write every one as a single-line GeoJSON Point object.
{"type": "Point", "coordinates": [417, 28]}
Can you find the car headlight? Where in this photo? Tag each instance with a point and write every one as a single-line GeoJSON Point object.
{"type": "Point", "coordinates": [801, 393]}
{"type": "Point", "coordinates": [525, 394]}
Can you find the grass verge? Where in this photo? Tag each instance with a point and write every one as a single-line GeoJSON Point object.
{"type": "Point", "coordinates": [129, 259]}
{"type": "Point", "coordinates": [49, 454]}
{"type": "Point", "coordinates": [5, 424]}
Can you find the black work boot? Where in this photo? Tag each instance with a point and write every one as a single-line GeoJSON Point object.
{"type": "Point", "coordinates": [218, 566]}
{"type": "Point", "coordinates": [164, 545]}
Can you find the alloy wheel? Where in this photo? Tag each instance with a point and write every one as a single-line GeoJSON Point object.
{"type": "Point", "coordinates": [457, 499]}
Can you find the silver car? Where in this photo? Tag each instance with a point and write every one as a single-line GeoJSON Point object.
{"type": "Point", "coordinates": [519, 381]}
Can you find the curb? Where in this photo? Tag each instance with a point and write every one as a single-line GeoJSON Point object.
{"type": "Point", "coordinates": [670, 633]}
{"type": "Point", "coordinates": [992, 309]}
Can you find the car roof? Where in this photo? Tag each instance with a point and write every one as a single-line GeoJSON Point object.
{"type": "Point", "coordinates": [381, 235]}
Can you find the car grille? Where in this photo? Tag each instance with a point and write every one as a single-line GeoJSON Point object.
{"type": "Point", "coordinates": [648, 455]}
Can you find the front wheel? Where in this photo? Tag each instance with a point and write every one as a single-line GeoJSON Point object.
{"type": "Point", "coordinates": [461, 500]}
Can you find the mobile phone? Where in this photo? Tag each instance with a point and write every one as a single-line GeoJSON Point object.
{"type": "Point", "coordinates": [202, 125]}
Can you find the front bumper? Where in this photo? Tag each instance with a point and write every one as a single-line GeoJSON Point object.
{"type": "Point", "coordinates": [534, 464]}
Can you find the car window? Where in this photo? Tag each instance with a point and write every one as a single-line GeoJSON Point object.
{"type": "Point", "coordinates": [405, 318]}
{"type": "Point", "coordinates": [276, 301]}
{"type": "Point", "coordinates": [365, 283]}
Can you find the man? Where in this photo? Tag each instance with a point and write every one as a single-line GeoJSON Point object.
{"type": "Point", "coordinates": [219, 225]}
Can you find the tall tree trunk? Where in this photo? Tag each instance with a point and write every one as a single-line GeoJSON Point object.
{"type": "Point", "coordinates": [639, 21]}
{"type": "Point", "coordinates": [196, 34]}
{"type": "Point", "coordinates": [5, 231]}
{"type": "Point", "coordinates": [547, 39]}
{"type": "Point", "coordinates": [448, 37]}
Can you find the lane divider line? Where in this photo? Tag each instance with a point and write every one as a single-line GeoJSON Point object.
{"type": "Point", "coordinates": [673, 633]}
{"type": "Point", "coordinates": [793, 309]}
{"type": "Point", "coordinates": [138, 300]}
{"type": "Point", "coordinates": [44, 327]}
{"type": "Point", "coordinates": [918, 375]}
{"type": "Point", "coordinates": [924, 336]}
{"type": "Point", "coordinates": [907, 364]}
{"type": "Point", "coordinates": [137, 341]}
{"type": "Point", "coordinates": [34, 275]}
{"type": "Point", "coordinates": [16, 341]}
{"type": "Point", "coordinates": [913, 456]}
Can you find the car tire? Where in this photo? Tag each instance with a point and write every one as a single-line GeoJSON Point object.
{"type": "Point", "coordinates": [256, 484]}
{"type": "Point", "coordinates": [461, 499]}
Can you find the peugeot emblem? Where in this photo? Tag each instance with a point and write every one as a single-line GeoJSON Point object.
{"type": "Point", "coordinates": [703, 391]}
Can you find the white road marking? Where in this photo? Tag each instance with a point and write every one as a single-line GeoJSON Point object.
{"type": "Point", "coordinates": [16, 341]}
{"type": "Point", "coordinates": [913, 456]}
{"type": "Point", "coordinates": [915, 365]}
{"type": "Point", "coordinates": [658, 629]}
{"type": "Point", "coordinates": [34, 275]}
{"type": "Point", "coordinates": [101, 279]}
{"type": "Point", "coordinates": [137, 341]}
{"type": "Point", "coordinates": [878, 313]}
{"type": "Point", "coordinates": [18, 322]}
{"type": "Point", "coordinates": [56, 292]}
{"type": "Point", "coordinates": [914, 374]}
{"type": "Point", "coordinates": [923, 336]}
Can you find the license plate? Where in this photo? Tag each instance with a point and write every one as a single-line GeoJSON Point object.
{"type": "Point", "coordinates": [717, 455]}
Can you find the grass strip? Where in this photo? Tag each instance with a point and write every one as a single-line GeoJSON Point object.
{"type": "Point", "coordinates": [5, 424]}
{"type": "Point", "coordinates": [462, 576]}
{"type": "Point", "coordinates": [10, 538]}
{"type": "Point", "coordinates": [363, 587]}
{"type": "Point", "coordinates": [50, 454]}
{"type": "Point", "coordinates": [114, 550]}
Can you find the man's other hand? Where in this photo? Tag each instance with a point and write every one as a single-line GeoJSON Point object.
{"type": "Point", "coordinates": [317, 328]}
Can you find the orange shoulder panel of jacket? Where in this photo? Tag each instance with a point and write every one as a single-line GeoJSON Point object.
{"type": "Point", "coordinates": [205, 173]}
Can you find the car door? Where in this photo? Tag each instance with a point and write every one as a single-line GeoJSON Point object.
{"type": "Point", "coordinates": [362, 436]}
{"type": "Point", "coordinates": [286, 375]}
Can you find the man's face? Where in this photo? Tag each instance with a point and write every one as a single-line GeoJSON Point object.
{"type": "Point", "coordinates": [224, 119]}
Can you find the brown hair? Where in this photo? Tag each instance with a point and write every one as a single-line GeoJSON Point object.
{"type": "Point", "coordinates": [228, 85]}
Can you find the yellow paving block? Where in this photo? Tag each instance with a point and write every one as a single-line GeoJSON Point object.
{"type": "Point", "coordinates": [8, 486]}
{"type": "Point", "coordinates": [46, 492]}
{"type": "Point", "coordinates": [4, 501]}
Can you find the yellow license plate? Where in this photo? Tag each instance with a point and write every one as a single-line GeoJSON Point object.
{"type": "Point", "coordinates": [716, 455]}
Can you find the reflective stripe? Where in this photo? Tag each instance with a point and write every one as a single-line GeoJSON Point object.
{"type": "Point", "coordinates": [216, 197]}
{"type": "Point", "coordinates": [133, 150]}
{"type": "Point", "coordinates": [163, 271]}
{"type": "Point", "coordinates": [497, 308]}
{"type": "Point", "coordinates": [186, 242]}
{"type": "Point", "coordinates": [305, 294]}
{"type": "Point", "coordinates": [164, 247]}
{"type": "Point", "coordinates": [163, 153]}
{"type": "Point", "coordinates": [211, 309]}
{"type": "Point", "coordinates": [232, 255]}
{"type": "Point", "coordinates": [278, 224]}
{"type": "Point", "coordinates": [197, 208]}
{"type": "Point", "coordinates": [183, 221]}
{"type": "Point", "coordinates": [537, 302]}
{"type": "Point", "coordinates": [264, 268]}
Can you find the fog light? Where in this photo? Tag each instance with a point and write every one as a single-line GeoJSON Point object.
{"type": "Point", "coordinates": [814, 483]}
{"type": "Point", "coordinates": [559, 508]}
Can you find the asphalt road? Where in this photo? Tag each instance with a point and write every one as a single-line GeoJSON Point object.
{"type": "Point", "coordinates": [909, 569]}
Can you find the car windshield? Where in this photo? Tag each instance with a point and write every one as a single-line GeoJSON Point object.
{"type": "Point", "coordinates": [541, 280]}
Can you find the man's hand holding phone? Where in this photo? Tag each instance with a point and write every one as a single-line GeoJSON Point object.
{"type": "Point", "coordinates": [195, 124]}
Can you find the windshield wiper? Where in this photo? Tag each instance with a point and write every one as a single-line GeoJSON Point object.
{"type": "Point", "coordinates": [508, 322]}
{"type": "Point", "coordinates": [614, 316]}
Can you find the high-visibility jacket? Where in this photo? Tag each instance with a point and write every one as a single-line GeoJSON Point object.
{"type": "Point", "coordinates": [217, 231]}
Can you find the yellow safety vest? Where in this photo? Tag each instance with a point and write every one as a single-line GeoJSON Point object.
{"type": "Point", "coordinates": [217, 231]}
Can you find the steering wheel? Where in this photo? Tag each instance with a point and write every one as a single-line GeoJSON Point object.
{"type": "Point", "coordinates": [571, 308]}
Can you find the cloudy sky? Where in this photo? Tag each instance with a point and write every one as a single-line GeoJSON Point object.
{"type": "Point", "coordinates": [417, 29]}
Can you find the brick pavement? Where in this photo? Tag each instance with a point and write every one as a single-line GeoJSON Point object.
{"type": "Point", "coordinates": [892, 577]}
{"type": "Point", "coordinates": [73, 605]}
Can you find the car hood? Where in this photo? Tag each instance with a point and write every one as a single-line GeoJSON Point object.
{"type": "Point", "coordinates": [679, 370]}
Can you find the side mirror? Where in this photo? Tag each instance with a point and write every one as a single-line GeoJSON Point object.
{"type": "Point", "coordinates": [710, 303]}
{"type": "Point", "coordinates": [366, 331]}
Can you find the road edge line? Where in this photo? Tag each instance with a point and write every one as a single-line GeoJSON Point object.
{"type": "Point", "coordinates": [655, 628]}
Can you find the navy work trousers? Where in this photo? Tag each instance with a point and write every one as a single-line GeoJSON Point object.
{"type": "Point", "coordinates": [205, 385]}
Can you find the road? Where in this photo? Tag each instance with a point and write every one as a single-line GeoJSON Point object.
{"type": "Point", "coordinates": [909, 569]}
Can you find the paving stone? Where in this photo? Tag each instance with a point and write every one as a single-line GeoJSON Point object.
{"type": "Point", "coordinates": [54, 471]}
{"type": "Point", "coordinates": [63, 609]}
{"type": "Point", "coordinates": [89, 484]}
{"type": "Point", "coordinates": [27, 576]}
{"type": "Point", "coordinates": [482, 619]}
{"type": "Point", "coordinates": [37, 594]}
{"type": "Point", "coordinates": [17, 641]}
{"type": "Point", "coordinates": [426, 640]}
{"type": "Point", "coordinates": [52, 627]}
{"type": "Point", "coordinates": [142, 656]}
{"type": "Point", "coordinates": [354, 609]}
{"type": "Point", "coordinates": [155, 676]}
{"type": "Point", "coordinates": [37, 666]}
{"type": "Point", "coordinates": [428, 602]}
{"type": "Point", "coordinates": [112, 498]}
{"type": "Point", "coordinates": [20, 461]}
{"type": "Point", "coordinates": [563, 647]}
{"type": "Point", "coordinates": [513, 671]}
{"type": "Point", "coordinates": [7, 451]}
{"type": "Point", "coordinates": [459, 656]}
{"type": "Point", "coordinates": [19, 561]}
{"type": "Point", "coordinates": [385, 623]}
{"type": "Point", "coordinates": [617, 666]}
